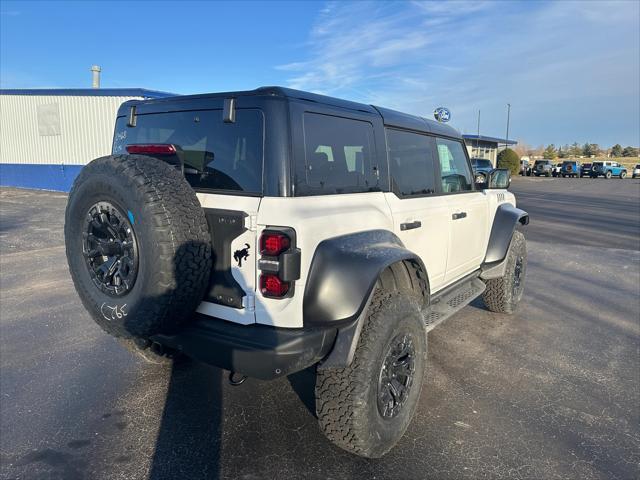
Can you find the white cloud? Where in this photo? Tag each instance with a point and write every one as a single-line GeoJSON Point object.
{"type": "Point", "coordinates": [470, 55]}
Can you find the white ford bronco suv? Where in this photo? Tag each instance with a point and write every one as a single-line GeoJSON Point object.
{"type": "Point", "coordinates": [273, 230]}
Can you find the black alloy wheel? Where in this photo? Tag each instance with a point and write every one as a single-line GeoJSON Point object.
{"type": "Point", "coordinates": [517, 276]}
{"type": "Point", "coordinates": [110, 249]}
{"type": "Point", "coordinates": [396, 376]}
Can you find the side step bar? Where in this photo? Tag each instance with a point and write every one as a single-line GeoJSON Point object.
{"type": "Point", "coordinates": [452, 300]}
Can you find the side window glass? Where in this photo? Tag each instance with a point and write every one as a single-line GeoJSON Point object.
{"type": "Point", "coordinates": [410, 163]}
{"type": "Point", "coordinates": [455, 173]}
{"type": "Point", "coordinates": [339, 156]}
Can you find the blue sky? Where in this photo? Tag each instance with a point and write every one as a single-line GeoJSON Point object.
{"type": "Point", "coordinates": [571, 70]}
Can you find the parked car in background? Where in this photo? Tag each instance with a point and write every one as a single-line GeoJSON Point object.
{"type": "Point", "coordinates": [543, 167]}
{"type": "Point", "coordinates": [571, 168]}
{"type": "Point", "coordinates": [608, 169]}
{"type": "Point", "coordinates": [585, 170]}
{"type": "Point", "coordinates": [636, 171]}
{"type": "Point", "coordinates": [481, 167]}
{"type": "Point", "coordinates": [557, 168]}
{"type": "Point", "coordinates": [525, 168]}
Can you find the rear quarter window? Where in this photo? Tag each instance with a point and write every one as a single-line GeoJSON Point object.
{"type": "Point", "coordinates": [217, 156]}
{"type": "Point", "coordinates": [339, 156]}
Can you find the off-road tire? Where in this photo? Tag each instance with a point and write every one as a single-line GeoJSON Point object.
{"type": "Point", "coordinates": [501, 295]}
{"type": "Point", "coordinates": [173, 244]}
{"type": "Point", "coordinates": [347, 398]}
{"type": "Point", "coordinates": [607, 175]}
{"type": "Point", "coordinates": [623, 174]}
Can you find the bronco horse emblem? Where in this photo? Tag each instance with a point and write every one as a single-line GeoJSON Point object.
{"type": "Point", "coordinates": [243, 254]}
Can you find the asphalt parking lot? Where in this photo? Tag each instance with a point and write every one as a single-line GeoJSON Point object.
{"type": "Point", "coordinates": [552, 392]}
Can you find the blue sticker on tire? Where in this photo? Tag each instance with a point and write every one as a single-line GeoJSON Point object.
{"type": "Point", "coordinates": [130, 215]}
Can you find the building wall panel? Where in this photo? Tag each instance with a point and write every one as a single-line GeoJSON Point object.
{"type": "Point", "coordinates": [82, 131]}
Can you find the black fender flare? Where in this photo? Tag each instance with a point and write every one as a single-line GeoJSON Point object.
{"type": "Point", "coordinates": [506, 220]}
{"type": "Point", "coordinates": [344, 271]}
{"type": "Point", "coordinates": [343, 274]}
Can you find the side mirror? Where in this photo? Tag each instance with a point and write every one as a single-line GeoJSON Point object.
{"type": "Point", "coordinates": [500, 178]}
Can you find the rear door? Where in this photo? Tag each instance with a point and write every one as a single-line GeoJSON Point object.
{"type": "Point", "coordinates": [223, 162]}
{"type": "Point", "coordinates": [467, 209]}
{"type": "Point", "coordinates": [420, 216]}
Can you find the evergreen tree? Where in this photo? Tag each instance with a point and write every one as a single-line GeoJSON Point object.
{"type": "Point", "coordinates": [550, 152]}
{"type": "Point", "coordinates": [616, 150]}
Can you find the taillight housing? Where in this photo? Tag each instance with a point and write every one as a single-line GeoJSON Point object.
{"type": "Point", "coordinates": [152, 149]}
{"type": "Point", "coordinates": [272, 286]}
{"type": "Point", "coordinates": [274, 243]}
{"type": "Point", "coordinates": [279, 262]}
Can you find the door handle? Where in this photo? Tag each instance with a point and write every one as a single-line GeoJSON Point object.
{"type": "Point", "coordinates": [459, 215]}
{"type": "Point", "coordinates": [410, 225]}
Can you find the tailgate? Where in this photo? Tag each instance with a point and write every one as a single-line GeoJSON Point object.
{"type": "Point", "coordinates": [231, 292]}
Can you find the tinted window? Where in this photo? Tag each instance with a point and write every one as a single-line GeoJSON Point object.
{"type": "Point", "coordinates": [480, 163]}
{"type": "Point", "coordinates": [339, 156]}
{"type": "Point", "coordinates": [216, 155]}
{"type": "Point", "coordinates": [410, 163]}
{"type": "Point", "coordinates": [454, 169]}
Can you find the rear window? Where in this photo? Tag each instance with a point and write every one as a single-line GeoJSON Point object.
{"type": "Point", "coordinates": [217, 156]}
{"type": "Point", "coordinates": [339, 156]}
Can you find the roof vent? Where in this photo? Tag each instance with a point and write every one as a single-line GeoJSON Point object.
{"type": "Point", "coordinates": [95, 69]}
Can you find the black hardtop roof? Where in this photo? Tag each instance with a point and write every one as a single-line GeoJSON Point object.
{"type": "Point", "coordinates": [390, 117]}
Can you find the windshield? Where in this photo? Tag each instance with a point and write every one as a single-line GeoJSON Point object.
{"type": "Point", "coordinates": [481, 163]}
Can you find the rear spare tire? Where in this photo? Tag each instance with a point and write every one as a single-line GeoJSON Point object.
{"type": "Point", "coordinates": [137, 244]}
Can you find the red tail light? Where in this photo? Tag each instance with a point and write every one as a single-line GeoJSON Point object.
{"type": "Point", "coordinates": [272, 286]}
{"type": "Point", "coordinates": [274, 243]}
{"type": "Point", "coordinates": [151, 149]}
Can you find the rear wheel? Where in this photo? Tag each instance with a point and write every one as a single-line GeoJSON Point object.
{"type": "Point", "coordinates": [503, 294]}
{"type": "Point", "coordinates": [607, 175]}
{"type": "Point", "coordinates": [366, 407]}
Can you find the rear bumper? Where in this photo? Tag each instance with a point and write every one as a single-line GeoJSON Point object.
{"type": "Point", "coordinates": [258, 351]}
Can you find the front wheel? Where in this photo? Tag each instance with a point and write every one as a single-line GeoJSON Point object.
{"type": "Point", "coordinates": [366, 407]}
{"type": "Point", "coordinates": [623, 174]}
{"type": "Point", "coordinates": [503, 294]}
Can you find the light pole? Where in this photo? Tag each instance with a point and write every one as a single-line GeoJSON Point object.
{"type": "Point", "coordinates": [478, 136]}
{"type": "Point", "coordinates": [508, 115]}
